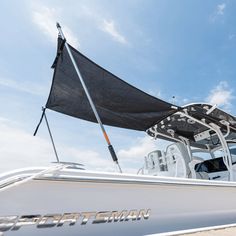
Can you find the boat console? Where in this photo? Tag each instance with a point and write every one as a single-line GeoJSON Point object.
{"type": "Point", "coordinates": [175, 162]}
{"type": "Point", "coordinates": [204, 145]}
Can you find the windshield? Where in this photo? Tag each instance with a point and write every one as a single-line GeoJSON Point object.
{"type": "Point", "coordinates": [232, 149]}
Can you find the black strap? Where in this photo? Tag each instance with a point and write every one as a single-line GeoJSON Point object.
{"type": "Point", "coordinates": [40, 121]}
{"type": "Point", "coordinates": [60, 47]}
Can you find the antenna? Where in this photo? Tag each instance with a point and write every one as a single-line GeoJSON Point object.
{"type": "Point", "coordinates": [173, 99]}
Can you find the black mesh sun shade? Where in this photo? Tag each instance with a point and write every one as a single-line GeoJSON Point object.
{"type": "Point", "coordinates": [118, 103]}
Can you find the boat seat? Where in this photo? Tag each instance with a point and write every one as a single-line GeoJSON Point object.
{"type": "Point", "coordinates": [178, 158]}
{"type": "Point", "coordinates": [202, 175]}
{"type": "Point", "coordinates": [197, 175]}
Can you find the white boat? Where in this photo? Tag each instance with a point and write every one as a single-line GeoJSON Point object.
{"type": "Point", "coordinates": [189, 185]}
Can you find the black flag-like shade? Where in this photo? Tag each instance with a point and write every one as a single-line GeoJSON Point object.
{"type": "Point", "coordinates": [118, 103]}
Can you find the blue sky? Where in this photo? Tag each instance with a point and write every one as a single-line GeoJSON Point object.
{"type": "Point", "coordinates": [167, 48]}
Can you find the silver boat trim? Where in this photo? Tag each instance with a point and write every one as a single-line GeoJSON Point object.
{"type": "Point", "coordinates": [137, 182]}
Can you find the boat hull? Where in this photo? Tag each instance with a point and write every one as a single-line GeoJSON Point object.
{"type": "Point", "coordinates": [166, 204]}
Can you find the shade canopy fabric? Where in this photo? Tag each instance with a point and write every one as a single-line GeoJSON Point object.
{"type": "Point", "coordinates": [117, 102]}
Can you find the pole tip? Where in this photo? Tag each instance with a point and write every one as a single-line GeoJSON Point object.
{"type": "Point", "coordinates": [58, 25]}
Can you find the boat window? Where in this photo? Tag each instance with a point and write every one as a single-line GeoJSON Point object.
{"type": "Point", "coordinates": [202, 154]}
{"type": "Point", "coordinates": [232, 149]}
{"type": "Point", "coordinates": [210, 166]}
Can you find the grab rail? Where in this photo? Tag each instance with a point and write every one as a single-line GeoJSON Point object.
{"type": "Point", "coordinates": [16, 180]}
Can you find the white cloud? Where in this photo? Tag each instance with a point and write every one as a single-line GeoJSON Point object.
{"type": "Point", "coordinates": [26, 87]}
{"type": "Point", "coordinates": [20, 149]}
{"type": "Point", "coordinates": [110, 28]}
{"type": "Point", "coordinates": [91, 159]}
{"type": "Point", "coordinates": [219, 12]}
{"type": "Point", "coordinates": [140, 150]}
{"type": "Point", "coordinates": [133, 158]}
{"type": "Point", "coordinates": [222, 95]}
{"type": "Point", "coordinates": [45, 18]}
{"type": "Point", "coordinates": [221, 9]}
{"type": "Point", "coordinates": [107, 26]}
